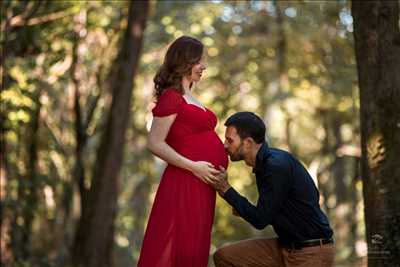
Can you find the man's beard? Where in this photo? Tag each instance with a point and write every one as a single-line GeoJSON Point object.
{"type": "Point", "coordinates": [238, 155]}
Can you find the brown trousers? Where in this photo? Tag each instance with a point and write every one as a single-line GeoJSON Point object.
{"type": "Point", "coordinates": [269, 253]}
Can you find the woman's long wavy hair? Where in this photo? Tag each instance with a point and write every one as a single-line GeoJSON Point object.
{"type": "Point", "coordinates": [182, 54]}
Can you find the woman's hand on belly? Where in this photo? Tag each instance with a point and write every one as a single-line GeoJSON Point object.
{"type": "Point", "coordinates": [204, 170]}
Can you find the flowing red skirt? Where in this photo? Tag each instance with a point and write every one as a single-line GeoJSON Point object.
{"type": "Point", "coordinates": [179, 229]}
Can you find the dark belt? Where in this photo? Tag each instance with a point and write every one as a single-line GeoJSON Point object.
{"type": "Point", "coordinates": [309, 243]}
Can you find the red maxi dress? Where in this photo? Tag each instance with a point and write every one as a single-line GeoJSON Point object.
{"type": "Point", "coordinates": [179, 228]}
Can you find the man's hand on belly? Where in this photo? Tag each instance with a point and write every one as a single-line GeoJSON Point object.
{"type": "Point", "coordinates": [220, 181]}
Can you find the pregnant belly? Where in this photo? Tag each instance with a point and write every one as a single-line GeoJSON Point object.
{"type": "Point", "coordinates": [204, 146]}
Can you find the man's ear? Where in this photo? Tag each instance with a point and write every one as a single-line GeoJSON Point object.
{"type": "Point", "coordinates": [248, 142]}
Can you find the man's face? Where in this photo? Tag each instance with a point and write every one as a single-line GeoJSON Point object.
{"type": "Point", "coordinates": [233, 144]}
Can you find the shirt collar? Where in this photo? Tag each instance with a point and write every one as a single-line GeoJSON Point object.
{"type": "Point", "coordinates": [261, 154]}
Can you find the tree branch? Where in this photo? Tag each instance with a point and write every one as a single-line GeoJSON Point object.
{"type": "Point", "coordinates": [21, 20]}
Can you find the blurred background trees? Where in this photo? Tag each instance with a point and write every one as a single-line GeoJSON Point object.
{"type": "Point", "coordinates": [293, 63]}
{"type": "Point", "coordinates": [377, 46]}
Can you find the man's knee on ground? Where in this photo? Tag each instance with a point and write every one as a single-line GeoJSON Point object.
{"type": "Point", "coordinates": [221, 255]}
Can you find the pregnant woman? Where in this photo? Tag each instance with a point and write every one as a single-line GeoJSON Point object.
{"type": "Point", "coordinates": [182, 133]}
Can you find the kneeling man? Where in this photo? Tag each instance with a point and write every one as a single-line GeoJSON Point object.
{"type": "Point", "coordinates": [288, 200]}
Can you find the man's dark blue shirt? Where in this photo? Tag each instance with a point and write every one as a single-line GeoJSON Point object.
{"type": "Point", "coordinates": [288, 199]}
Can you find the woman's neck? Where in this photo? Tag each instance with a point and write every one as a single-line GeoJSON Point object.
{"type": "Point", "coordinates": [186, 86]}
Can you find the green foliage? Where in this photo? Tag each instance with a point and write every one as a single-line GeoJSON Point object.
{"type": "Point", "coordinates": [311, 107]}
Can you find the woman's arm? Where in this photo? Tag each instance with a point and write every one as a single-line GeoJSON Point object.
{"type": "Point", "coordinates": [157, 145]}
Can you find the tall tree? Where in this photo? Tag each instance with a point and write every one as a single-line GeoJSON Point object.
{"type": "Point", "coordinates": [377, 47]}
{"type": "Point", "coordinates": [95, 234]}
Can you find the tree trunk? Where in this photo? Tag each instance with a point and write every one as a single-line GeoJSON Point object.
{"type": "Point", "coordinates": [377, 47]}
{"type": "Point", "coordinates": [338, 166]}
{"type": "Point", "coordinates": [27, 189]}
{"type": "Point", "coordinates": [80, 129]}
{"type": "Point", "coordinates": [95, 234]}
{"type": "Point", "coordinates": [352, 217]}
{"type": "Point", "coordinates": [282, 77]}
{"type": "Point", "coordinates": [32, 188]}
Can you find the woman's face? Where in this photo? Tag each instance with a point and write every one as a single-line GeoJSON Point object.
{"type": "Point", "coordinates": [197, 71]}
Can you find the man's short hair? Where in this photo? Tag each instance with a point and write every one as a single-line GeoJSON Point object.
{"type": "Point", "coordinates": [248, 124]}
